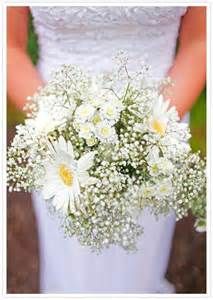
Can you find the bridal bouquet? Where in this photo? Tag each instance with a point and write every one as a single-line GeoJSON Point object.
{"type": "Point", "coordinates": [101, 149]}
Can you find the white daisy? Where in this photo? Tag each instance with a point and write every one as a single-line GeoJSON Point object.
{"type": "Point", "coordinates": [96, 119]}
{"type": "Point", "coordinates": [105, 132]}
{"type": "Point", "coordinates": [152, 160]}
{"type": "Point", "coordinates": [159, 119]}
{"type": "Point", "coordinates": [86, 130]}
{"type": "Point", "coordinates": [44, 123]}
{"type": "Point", "coordinates": [111, 110]}
{"type": "Point", "coordinates": [158, 165]}
{"type": "Point", "coordinates": [84, 112]}
{"type": "Point", "coordinates": [166, 166]}
{"type": "Point", "coordinates": [147, 191]}
{"type": "Point", "coordinates": [91, 141]}
{"type": "Point", "coordinates": [65, 176]}
{"type": "Point", "coordinates": [163, 188]}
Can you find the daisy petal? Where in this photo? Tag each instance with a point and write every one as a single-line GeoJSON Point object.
{"type": "Point", "coordinates": [86, 180]}
{"type": "Point", "coordinates": [70, 148]}
{"type": "Point", "coordinates": [61, 201]}
{"type": "Point", "coordinates": [86, 161]}
{"type": "Point", "coordinates": [49, 190]}
{"type": "Point", "coordinates": [51, 147]}
{"type": "Point", "coordinates": [72, 205]}
{"type": "Point", "coordinates": [62, 143]}
{"type": "Point", "coordinates": [76, 188]}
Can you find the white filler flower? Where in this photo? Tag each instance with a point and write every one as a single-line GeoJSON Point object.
{"type": "Point", "coordinates": [65, 175]}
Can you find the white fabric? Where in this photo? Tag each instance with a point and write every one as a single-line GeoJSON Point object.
{"type": "Point", "coordinates": [90, 36]}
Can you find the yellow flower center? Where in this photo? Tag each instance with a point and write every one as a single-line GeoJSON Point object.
{"type": "Point", "coordinates": [155, 168]}
{"type": "Point", "coordinates": [158, 126]}
{"type": "Point", "coordinates": [105, 131]}
{"type": "Point", "coordinates": [66, 175]}
{"type": "Point", "coordinates": [110, 111]}
{"type": "Point", "coordinates": [91, 141]}
{"type": "Point", "coordinates": [96, 119]}
{"type": "Point", "coordinates": [163, 189]}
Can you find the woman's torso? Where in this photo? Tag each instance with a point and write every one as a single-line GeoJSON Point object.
{"type": "Point", "coordinates": [91, 36]}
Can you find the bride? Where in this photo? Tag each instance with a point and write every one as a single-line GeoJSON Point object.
{"type": "Point", "coordinates": [89, 37]}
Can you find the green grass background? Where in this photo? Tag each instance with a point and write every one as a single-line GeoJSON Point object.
{"type": "Point", "coordinates": [197, 115]}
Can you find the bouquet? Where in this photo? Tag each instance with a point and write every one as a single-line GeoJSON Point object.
{"type": "Point", "coordinates": [103, 148]}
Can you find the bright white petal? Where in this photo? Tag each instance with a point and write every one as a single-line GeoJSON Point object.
{"type": "Point", "coordinates": [72, 207]}
{"type": "Point", "coordinates": [61, 201]}
{"type": "Point", "coordinates": [50, 146]}
{"type": "Point", "coordinates": [83, 177]}
{"type": "Point", "coordinates": [92, 180]}
{"type": "Point", "coordinates": [70, 148]}
{"type": "Point", "coordinates": [62, 143]}
{"type": "Point", "coordinates": [76, 188]}
{"type": "Point", "coordinates": [153, 155]}
{"type": "Point", "coordinates": [86, 161]}
{"type": "Point", "coordinates": [86, 180]}
{"type": "Point", "coordinates": [49, 191]}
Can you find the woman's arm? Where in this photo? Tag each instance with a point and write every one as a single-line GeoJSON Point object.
{"type": "Point", "coordinates": [22, 77]}
{"type": "Point", "coordinates": [189, 69]}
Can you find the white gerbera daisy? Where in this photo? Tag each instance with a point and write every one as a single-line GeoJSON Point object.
{"type": "Point", "coordinates": [65, 175]}
{"type": "Point", "coordinates": [159, 119]}
{"type": "Point", "coordinates": [105, 132]}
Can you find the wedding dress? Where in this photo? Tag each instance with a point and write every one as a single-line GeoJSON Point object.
{"type": "Point", "coordinates": [90, 37]}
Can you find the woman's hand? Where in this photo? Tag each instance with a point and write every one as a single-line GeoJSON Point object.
{"type": "Point", "coordinates": [189, 69]}
{"type": "Point", "coordinates": [22, 77]}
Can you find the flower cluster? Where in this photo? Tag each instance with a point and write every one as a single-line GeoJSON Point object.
{"type": "Point", "coordinates": [103, 148]}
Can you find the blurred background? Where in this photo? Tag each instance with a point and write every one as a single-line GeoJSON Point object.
{"type": "Point", "coordinates": [187, 267]}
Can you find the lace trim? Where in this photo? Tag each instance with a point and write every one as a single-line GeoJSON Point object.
{"type": "Point", "coordinates": [58, 17]}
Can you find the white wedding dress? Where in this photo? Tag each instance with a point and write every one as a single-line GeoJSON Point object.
{"type": "Point", "coordinates": [90, 37]}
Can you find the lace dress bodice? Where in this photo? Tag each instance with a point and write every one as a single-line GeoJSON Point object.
{"type": "Point", "coordinates": [91, 36]}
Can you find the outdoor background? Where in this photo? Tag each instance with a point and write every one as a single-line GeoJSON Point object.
{"type": "Point", "coordinates": [187, 267]}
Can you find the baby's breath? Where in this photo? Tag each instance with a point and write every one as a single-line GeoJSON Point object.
{"type": "Point", "coordinates": [142, 155]}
